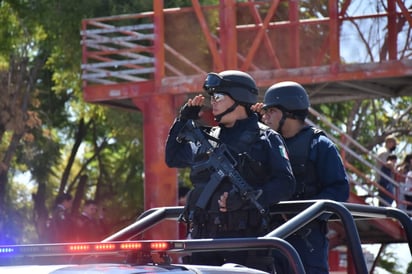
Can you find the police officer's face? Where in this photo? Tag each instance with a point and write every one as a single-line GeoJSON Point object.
{"type": "Point", "coordinates": [271, 117]}
{"type": "Point", "coordinates": [220, 102]}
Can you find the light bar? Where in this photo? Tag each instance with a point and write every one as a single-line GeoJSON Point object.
{"type": "Point", "coordinates": [61, 249]}
{"type": "Point", "coordinates": [159, 245]}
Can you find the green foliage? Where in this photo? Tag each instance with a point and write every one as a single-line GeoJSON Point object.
{"type": "Point", "coordinates": [49, 31]}
{"type": "Point", "coordinates": [388, 261]}
{"type": "Point", "coordinates": [18, 211]}
{"type": "Point", "coordinates": [119, 167]}
{"type": "Point", "coordinates": [9, 31]}
{"type": "Point", "coordinates": [359, 118]}
{"type": "Point", "coordinates": [409, 269]}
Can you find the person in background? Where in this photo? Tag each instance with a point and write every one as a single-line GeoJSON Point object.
{"type": "Point", "coordinates": [389, 147]}
{"type": "Point", "coordinates": [261, 159]}
{"type": "Point", "coordinates": [389, 170]}
{"type": "Point", "coordinates": [408, 189]}
{"type": "Point", "coordinates": [90, 226]}
{"type": "Point", "coordinates": [404, 167]}
{"type": "Point", "coordinates": [316, 164]}
{"type": "Point", "coordinates": [61, 225]}
{"type": "Point", "coordinates": [401, 172]}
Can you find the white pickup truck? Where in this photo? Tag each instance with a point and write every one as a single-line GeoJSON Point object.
{"type": "Point", "coordinates": [122, 254]}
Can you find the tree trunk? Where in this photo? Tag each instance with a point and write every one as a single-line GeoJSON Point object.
{"type": "Point", "coordinates": [81, 133]}
{"type": "Point", "coordinates": [40, 214]}
{"type": "Point", "coordinates": [79, 195]}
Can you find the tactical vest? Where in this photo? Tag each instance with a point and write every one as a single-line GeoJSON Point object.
{"type": "Point", "coordinates": [241, 150]}
{"type": "Point", "coordinates": [246, 139]}
{"type": "Point", "coordinates": [205, 223]}
{"type": "Point", "coordinates": [299, 147]}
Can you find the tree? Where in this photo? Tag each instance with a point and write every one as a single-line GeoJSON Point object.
{"type": "Point", "coordinates": [18, 78]}
{"type": "Point", "coordinates": [42, 110]}
{"type": "Point", "coordinates": [47, 129]}
{"type": "Point", "coordinates": [387, 260]}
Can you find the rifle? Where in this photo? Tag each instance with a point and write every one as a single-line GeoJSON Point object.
{"type": "Point", "coordinates": [222, 164]}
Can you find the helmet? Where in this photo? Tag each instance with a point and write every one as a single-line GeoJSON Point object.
{"type": "Point", "coordinates": [239, 85]}
{"type": "Point", "coordinates": [288, 96]}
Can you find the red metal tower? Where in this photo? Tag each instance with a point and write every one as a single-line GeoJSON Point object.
{"type": "Point", "coordinates": [151, 61]}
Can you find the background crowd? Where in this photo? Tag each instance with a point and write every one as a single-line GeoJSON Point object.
{"type": "Point", "coordinates": [394, 178]}
{"type": "Point", "coordinates": [66, 226]}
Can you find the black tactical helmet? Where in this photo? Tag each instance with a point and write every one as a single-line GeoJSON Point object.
{"type": "Point", "coordinates": [288, 96]}
{"type": "Point", "coordinates": [239, 85]}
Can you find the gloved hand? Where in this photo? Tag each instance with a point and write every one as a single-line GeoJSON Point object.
{"type": "Point", "coordinates": [189, 112]}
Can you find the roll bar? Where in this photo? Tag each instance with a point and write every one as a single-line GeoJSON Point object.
{"type": "Point", "coordinates": [304, 212]}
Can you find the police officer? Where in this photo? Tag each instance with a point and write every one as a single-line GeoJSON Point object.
{"type": "Point", "coordinates": [316, 164]}
{"type": "Point", "coordinates": [90, 224]}
{"type": "Point", "coordinates": [261, 160]}
{"type": "Point", "coordinates": [60, 226]}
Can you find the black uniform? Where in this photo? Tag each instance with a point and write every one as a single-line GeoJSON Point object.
{"type": "Point", "coordinates": [319, 174]}
{"type": "Point", "coordinates": [89, 229]}
{"type": "Point", "coordinates": [61, 225]}
{"type": "Point", "coordinates": [262, 162]}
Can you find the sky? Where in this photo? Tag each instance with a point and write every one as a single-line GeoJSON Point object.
{"type": "Point", "coordinates": [403, 255]}
{"type": "Point", "coordinates": [353, 49]}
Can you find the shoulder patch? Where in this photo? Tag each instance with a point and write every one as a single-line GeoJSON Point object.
{"type": "Point", "coordinates": [283, 152]}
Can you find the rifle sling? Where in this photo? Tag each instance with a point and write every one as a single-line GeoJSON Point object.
{"type": "Point", "coordinates": [210, 188]}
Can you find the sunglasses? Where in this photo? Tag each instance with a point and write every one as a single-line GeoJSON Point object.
{"type": "Point", "coordinates": [268, 111]}
{"type": "Point", "coordinates": [217, 97]}
{"type": "Point", "coordinates": [215, 82]}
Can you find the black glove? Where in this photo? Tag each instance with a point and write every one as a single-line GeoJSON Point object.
{"type": "Point", "coordinates": [189, 112]}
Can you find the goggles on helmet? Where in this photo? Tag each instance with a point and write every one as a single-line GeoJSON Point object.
{"type": "Point", "coordinates": [215, 82]}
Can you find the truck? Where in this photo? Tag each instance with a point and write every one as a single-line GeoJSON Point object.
{"type": "Point", "coordinates": [125, 251]}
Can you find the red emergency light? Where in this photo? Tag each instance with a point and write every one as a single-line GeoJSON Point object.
{"type": "Point", "coordinates": [79, 247]}
{"type": "Point", "coordinates": [131, 246]}
{"type": "Point", "coordinates": [61, 249]}
{"type": "Point", "coordinates": [159, 245]}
